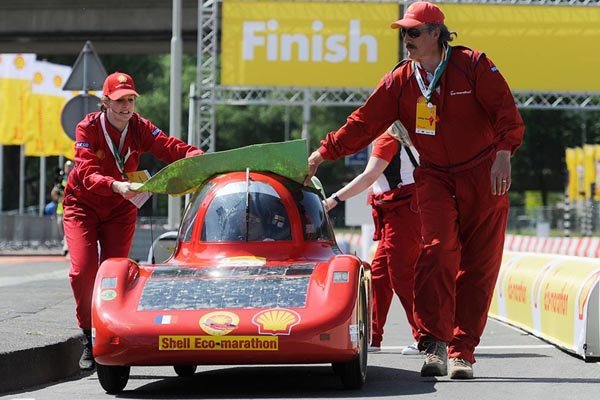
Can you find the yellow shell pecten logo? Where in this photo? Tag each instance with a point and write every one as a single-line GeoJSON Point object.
{"type": "Point", "coordinates": [58, 81]}
{"type": "Point", "coordinates": [19, 62]}
{"type": "Point", "coordinates": [122, 78]}
{"type": "Point", "coordinates": [38, 78]}
{"type": "Point", "coordinates": [276, 321]}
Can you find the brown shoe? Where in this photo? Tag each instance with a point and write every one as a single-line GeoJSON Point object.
{"type": "Point", "coordinates": [460, 369]}
{"type": "Point", "coordinates": [436, 359]}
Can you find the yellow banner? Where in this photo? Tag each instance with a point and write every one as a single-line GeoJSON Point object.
{"type": "Point", "coordinates": [597, 166]}
{"type": "Point", "coordinates": [311, 44]}
{"type": "Point", "coordinates": [589, 169]}
{"type": "Point", "coordinates": [571, 161]}
{"type": "Point", "coordinates": [218, 343]}
{"type": "Point", "coordinates": [580, 170]}
{"type": "Point", "coordinates": [536, 47]}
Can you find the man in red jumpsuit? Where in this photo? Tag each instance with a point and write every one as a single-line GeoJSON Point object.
{"type": "Point", "coordinates": [99, 220]}
{"type": "Point", "coordinates": [389, 174]}
{"type": "Point", "coordinates": [462, 118]}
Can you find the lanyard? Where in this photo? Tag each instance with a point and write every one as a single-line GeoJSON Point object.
{"type": "Point", "coordinates": [428, 90]}
{"type": "Point", "coordinates": [111, 145]}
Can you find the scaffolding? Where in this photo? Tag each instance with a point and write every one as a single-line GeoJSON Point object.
{"type": "Point", "coordinates": [209, 93]}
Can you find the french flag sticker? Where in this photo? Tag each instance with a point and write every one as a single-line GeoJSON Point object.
{"type": "Point", "coordinates": [164, 319]}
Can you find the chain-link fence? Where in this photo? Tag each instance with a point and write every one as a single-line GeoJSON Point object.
{"type": "Point", "coordinates": [564, 219]}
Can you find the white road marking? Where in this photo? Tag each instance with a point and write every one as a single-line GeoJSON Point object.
{"type": "Point", "coordinates": [19, 280]}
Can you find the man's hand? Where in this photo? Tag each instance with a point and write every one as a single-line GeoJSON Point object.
{"type": "Point", "coordinates": [500, 175]}
{"type": "Point", "coordinates": [124, 189]}
{"type": "Point", "coordinates": [314, 161]}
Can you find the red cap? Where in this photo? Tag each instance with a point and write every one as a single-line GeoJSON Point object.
{"type": "Point", "coordinates": [117, 85]}
{"type": "Point", "coordinates": [420, 12]}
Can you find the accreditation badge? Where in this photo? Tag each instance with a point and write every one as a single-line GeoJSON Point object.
{"type": "Point", "coordinates": [425, 121]}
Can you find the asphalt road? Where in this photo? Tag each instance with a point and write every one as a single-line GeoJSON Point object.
{"type": "Point", "coordinates": [511, 364]}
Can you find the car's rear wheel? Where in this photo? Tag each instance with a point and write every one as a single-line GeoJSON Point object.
{"type": "Point", "coordinates": [112, 378]}
{"type": "Point", "coordinates": [353, 373]}
{"type": "Point", "coordinates": [185, 370]}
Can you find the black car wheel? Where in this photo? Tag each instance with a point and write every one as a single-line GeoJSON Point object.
{"type": "Point", "coordinates": [354, 372]}
{"type": "Point", "coordinates": [112, 378]}
{"type": "Point", "coordinates": [185, 370]}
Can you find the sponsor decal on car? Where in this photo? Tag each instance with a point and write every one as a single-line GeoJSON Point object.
{"type": "Point", "coordinates": [165, 319]}
{"type": "Point", "coordinates": [219, 323]}
{"type": "Point", "coordinates": [108, 295]}
{"type": "Point", "coordinates": [218, 343]}
{"type": "Point", "coordinates": [276, 321]}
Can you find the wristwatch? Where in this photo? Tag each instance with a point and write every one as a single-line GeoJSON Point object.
{"type": "Point", "coordinates": [336, 198]}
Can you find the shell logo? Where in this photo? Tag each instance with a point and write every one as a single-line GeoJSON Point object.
{"type": "Point", "coordinates": [276, 321]}
{"type": "Point", "coordinates": [38, 78]}
{"type": "Point", "coordinates": [219, 323]}
{"type": "Point", "coordinates": [19, 62]}
{"type": "Point", "coordinates": [58, 81]}
{"type": "Point", "coordinates": [122, 78]}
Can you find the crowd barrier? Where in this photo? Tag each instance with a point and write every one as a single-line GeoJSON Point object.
{"type": "Point", "coordinates": [554, 297]}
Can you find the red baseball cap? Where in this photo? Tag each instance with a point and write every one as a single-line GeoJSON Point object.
{"type": "Point", "coordinates": [420, 12]}
{"type": "Point", "coordinates": [117, 85]}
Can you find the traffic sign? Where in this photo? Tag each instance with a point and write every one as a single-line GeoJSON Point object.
{"type": "Point", "coordinates": [74, 111]}
{"type": "Point", "coordinates": [88, 72]}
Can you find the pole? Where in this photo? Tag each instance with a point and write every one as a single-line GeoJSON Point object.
{"type": "Point", "coordinates": [174, 215]}
{"type": "Point", "coordinates": [306, 117]}
{"type": "Point", "coordinates": [1, 177]}
{"type": "Point", "coordinates": [22, 180]}
{"type": "Point", "coordinates": [42, 192]}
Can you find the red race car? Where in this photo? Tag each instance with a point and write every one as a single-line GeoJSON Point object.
{"type": "Point", "coordinates": [256, 278]}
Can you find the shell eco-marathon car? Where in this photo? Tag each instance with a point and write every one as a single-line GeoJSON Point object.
{"type": "Point", "coordinates": [256, 277]}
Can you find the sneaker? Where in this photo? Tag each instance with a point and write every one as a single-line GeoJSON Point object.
{"type": "Point", "coordinates": [86, 362]}
{"type": "Point", "coordinates": [436, 359]}
{"type": "Point", "coordinates": [460, 369]}
{"type": "Point", "coordinates": [374, 349]}
{"type": "Point", "coordinates": [411, 350]}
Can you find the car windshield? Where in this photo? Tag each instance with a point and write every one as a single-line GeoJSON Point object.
{"type": "Point", "coordinates": [242, 211]}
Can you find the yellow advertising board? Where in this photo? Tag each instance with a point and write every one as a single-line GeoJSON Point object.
{"type": "Point", "coordinates": [536, 47]}
{"type": "Point", "coordinates": [563, 299]}
{"type": "Point", "coordinates": [518, 289]}
{"type": "Point", "coordinates": [308, 44]}
{"type": "Point", "coordinates": [551, 296]}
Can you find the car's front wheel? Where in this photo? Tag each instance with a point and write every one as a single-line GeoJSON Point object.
{"type": "Point", "coordinates": [184, 370]}
{"type": "Point", "coordinates": [112, 378]}
{"type": "Point", "coordinates": [353, 373]}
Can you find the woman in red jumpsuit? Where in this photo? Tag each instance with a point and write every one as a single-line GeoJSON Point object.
{"type": "Point", "coordinates": [389, 173]}
{"type": "Point", "coordinates": [99, 219]}
{"type": "Point", "coordinates": [462, 118]}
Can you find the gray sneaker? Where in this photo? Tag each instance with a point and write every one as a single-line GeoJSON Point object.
{"type": "Point", "coordinates": [460, 369]}
{"type": "Point", "coordinates": [436, 359]}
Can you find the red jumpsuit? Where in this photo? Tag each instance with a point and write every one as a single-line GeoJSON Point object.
{"type": "Point", "coordinates": [93, 213]}
{"type": "Point", "coordinates": [398, 229]}
{"type": "Point", "coordinates": [463, 224]}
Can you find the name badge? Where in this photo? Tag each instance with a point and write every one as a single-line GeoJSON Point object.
{"type": "Point", "coordinates": [425, 122]}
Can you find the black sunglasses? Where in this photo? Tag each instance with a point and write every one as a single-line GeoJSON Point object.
{"type": "Point", "coordinates": [412, 32]}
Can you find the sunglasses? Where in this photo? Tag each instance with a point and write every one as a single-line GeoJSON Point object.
{"type": "Point", "coordinates": [412, 32]}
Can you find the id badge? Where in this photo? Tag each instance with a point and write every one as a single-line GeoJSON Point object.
{"type": "Point", "coordinates": [425, 122]}
{"type": "Point", "coordinates": [138, 176]}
